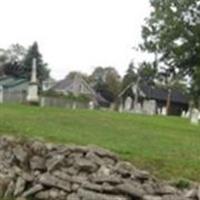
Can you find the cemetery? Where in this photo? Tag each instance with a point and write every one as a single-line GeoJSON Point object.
{"type": "Point", "coordinates": [106, 113]}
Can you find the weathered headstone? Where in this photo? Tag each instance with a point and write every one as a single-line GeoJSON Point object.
{"type": "Point", "coordinates": [138, 108]}
{"type": "Point", "coordinates": [42, 101]}
{"type": "Point", "coordinates": [164, 111]}
{"type": "Point", "coordinates": [91, 105]}
{"type": "Point", "coordinates": [149, 107]}
{"type": "Point", "coordinates": [183, 114]}
{"type": "Point", "coordinates": [121, 108]}
{"type": "Point", "coordinates": [128, 104]}
{"type": "Point", "coordinates": [74, 106]}
{"type": "Point", "coordinates": [194, 117]}
{"type": "Point", "coordinates": [32, 96]}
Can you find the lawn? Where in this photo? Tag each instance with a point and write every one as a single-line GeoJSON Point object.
{"type": "Point", "coordinates": [169, 147]}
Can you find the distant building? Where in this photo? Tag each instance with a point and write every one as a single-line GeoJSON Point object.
{"type": "Point", "coordinates": [13, 89]}
{"type": "Point", "coordinates": [179, 101]}
{"type": "Point", "coordinates": [73, 85]}
{"type": "Point", "coordinates": [77, 86]}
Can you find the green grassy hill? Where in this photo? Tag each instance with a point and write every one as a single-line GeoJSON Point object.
{"type": "Point", "coordinates": [167, 146]}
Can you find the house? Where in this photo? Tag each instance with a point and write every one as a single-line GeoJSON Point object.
{"type": "Point", "coordinates": [75, 85]}
{"type": "Point", "coordinates": [159, 96]}
{"type": "Point", "coordinates": [13, 89]}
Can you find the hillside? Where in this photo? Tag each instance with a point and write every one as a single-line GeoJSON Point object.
{"type": "Point", "coordinates": [167, 146]}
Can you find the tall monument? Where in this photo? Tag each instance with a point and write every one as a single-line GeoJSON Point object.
{"type": "Point", "coordinates": [32, 96]}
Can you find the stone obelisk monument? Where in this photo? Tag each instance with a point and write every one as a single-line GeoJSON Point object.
{"type": "Point", "coordinates": [32, 96]}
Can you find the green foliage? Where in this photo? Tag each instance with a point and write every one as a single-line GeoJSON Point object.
{"type": "Point", "coordinates": [130, 76]}
{"type": "Point", "coordinates": [167, 146]}
{"type": "Point", "coordinates": [147, 73]}
{"type": "Point", "coordinates": [70, 96]}
{"type": "Point", "coordinates": [172, 34]}
{"type": "Point", "coordinates": [42, 71]}
{"type": "Point", "coordinates": [182, 184]}
{"type": "Point", "coordinates": [106, 81]}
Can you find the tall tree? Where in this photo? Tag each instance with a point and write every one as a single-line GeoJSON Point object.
{"type": "Point", "coordinates": [42, 70]}
{"type": "Point", "coordinates": [106, 81]}
{"type": "Point", "coordinates": [172, 34]}
{"type": "Point", "coordinates": [147, 73]}
{"type": "Point", "coordinates": [130, 76]}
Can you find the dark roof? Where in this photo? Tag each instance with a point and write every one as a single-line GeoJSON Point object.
{"type": "Point", "coordinates": [66, 83]}
{"type": "Point", "coordinates": [63, 84]}
{"type": "Point", "coordinates": [9, 81]}
{"type": "Point", "coordinates": [159, 93]}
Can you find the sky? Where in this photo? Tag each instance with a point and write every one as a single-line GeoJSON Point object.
{"type": "Point", "coordinates": [76, 35]}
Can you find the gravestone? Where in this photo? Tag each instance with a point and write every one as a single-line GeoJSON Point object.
{"type": "Point", "coordinates": [183, 114]}
{"type": "Point", "coordinates": [42, 102]}
{"type": "Point", "coordinates": [121, 108]}
{"type": "Point", "coordinates": [138, 108]}
{"type": "Point", "coordinates": [164, 111]}
{"type": "Point", "coordinates": [32, 96]}
{"type": "Point", "coordinates": [149, 107]}
{"type": "Point", "coordinates": [91, 105]}
{"type": "Point", "coordinates": [194, 117]}
{"type": "Point", "coordinates": [74, 105]}
{"type": "Point", "coordinates": [128, 104]}
{"type": "Point", "coordinates": [1, 94]}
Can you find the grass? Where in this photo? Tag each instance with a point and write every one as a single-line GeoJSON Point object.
{"type": "Point", "coordinates": [169, 147]}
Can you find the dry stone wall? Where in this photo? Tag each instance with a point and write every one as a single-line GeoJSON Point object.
{"type": "Point", "coordinates": [37, 170]}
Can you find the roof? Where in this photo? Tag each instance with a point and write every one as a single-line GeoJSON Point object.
{"type": "Point", "coordinates": [63, 84]}
{"type": "Point", "coordinates": [159, 93]}
{"type": "Point", "coordinates": [69, 82]}
{"type": "Point", "coordinates": [9, 81]}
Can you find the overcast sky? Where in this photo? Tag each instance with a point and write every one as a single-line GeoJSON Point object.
{"type": "Point", "coordinates": [76, 35]}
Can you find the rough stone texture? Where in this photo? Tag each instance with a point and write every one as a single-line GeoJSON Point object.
{"type": "Point", "coordinates": [36, 170]}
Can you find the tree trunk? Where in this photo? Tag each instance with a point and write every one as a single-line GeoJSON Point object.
{"type": "Point", "coordinates": [168, 104]}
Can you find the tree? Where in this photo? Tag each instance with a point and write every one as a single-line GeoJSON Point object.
{"type": "Point", "coordinates": [11, 60]}
{"type": "Point", "coordinates": [147, 73]}
{"type": "Point", "coordinates": [106, 81]}
{"type": "Point", "coordinates": [42, 70]}
{"type": "Point", "coordinates": [130, 76]}
{"type": "Point", "coordinates": [172, 34]}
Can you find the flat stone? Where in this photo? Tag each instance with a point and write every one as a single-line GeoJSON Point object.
{"type": "Point", "coordinates": [53, 162]}
{"type": "Point", "coordinates": [32, 190]}
{"type": "Point", "coordinates": [20, 186]}
{"type": "Point", "coordinates": [20, 154]}
{"type": "Point", "coordinates": [128, 189]}
{"type": "Point", "coordinates": [89, 195]}
{"type": "Point", "coordinates": [49, 180]}
{"type": "Point", "coordinates": [37, 163]}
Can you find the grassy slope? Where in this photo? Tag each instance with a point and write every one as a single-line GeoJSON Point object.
{"type": "Point", "coordinates": [168, 146]}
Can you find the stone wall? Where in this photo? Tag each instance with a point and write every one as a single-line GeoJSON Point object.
{"type": "Point", "coordinates": [37, 170]}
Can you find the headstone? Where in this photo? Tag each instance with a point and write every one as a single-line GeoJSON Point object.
{"type": "Point", "coordinates": [121, 108]}
{"type": "Point", "coordinates": [194, 117]}
{"type": "Point", "coordinates": [138, 108]}
{"type": "Point", "coordinates": [32, 96]}
{"type": "Point", "coordinates": [164, 111]}
{"type": "Point", "coordinates": [128, 104]}
{"type": "Point", "coordinates": [74, 105]}
{"type": "Point", "coordinates": [183, 114]}
{"type": "Point", "coordinates": [1, 94]}
{"type": "Point", "coordinates": [149, 107]}
{"type": "Point", "coordinates": [42, 101]}
{"type": "Point", "coordinates": [91, 105]}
